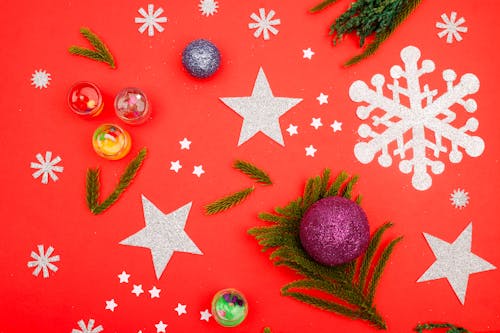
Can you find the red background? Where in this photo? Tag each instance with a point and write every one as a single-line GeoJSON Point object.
{"type": "Point", "coordinates": [36, 35]}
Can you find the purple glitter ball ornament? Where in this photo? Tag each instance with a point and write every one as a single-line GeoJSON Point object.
{"type": "Point", "coordinates": [201, 58]}
{"type": "Point", "coordinates": [334, 231]}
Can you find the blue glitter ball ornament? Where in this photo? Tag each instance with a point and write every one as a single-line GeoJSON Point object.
{"type": "Point", "coordinates": [201, 58]}
{"type": "Point", "coordinates": [334, 231]}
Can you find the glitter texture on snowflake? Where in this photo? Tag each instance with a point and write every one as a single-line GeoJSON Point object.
{"type": "Point", "coordinates": [43, 261]}
{"type": "Point", "coordinates": [208, 7]}
{"type": "Point", "coordinates": [415, 120]}
{"type": "Point", "coordinates": [459, 198]}
{"type": "Point", "coordinates": [40, 79]}
{"type": "Point", "coordinates": [151, 20]}
{"type": "Point", "coordinates": [46, 167]}
{"type": "Point", "coordinates": [89, 328]}
{"type": "Point", "coordinates": [451, 27]}
{"type": "Point", "coordinates": [264, 23]}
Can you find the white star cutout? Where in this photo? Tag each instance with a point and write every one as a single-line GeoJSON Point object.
{"type": "Point", "coordinates": [310, 151]}
{"type": "Point", "coordinates": [316, 123]}
{"type": "Point", "coordinates": [454, 262]}
{"type": "Point", "coordinates": [308, 53]}
{"type": "Point", "coordinates": [155, 292]}
{"type": "Point", "coordinates": [137, 290]}
{"type": "Point", "coordinates": [175, 166]}
{"type": "Point", "coordinates": [160, 327]}
{"type": "Point", "coordinates": [336, 126]}
{"type": "Point", "coordinates": [185, 144]}
{"type": "Point", "coordinates": [198, 170]}
{"type": "Point", "coordinates": [180, 309]}
{"type": "Point", "coordinates": [205, 315]}
{"type": "Point", "coordinates": [111, 305]}
{"type": "Point", "coordinates": [322, 99]}
{"type": "Point", "coordinates": [292, 129]}
{"type": "Point", "coordinates": [123, 277]}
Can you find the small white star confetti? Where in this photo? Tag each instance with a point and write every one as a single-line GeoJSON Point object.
{"type": "Point", "coordinates": [264, 24]}
{"type": "Point", "coordinates": [316, 123]}
{"type": "Point", "coordinates": [47, 167]}
{"type": "Point", "coordinates": [43, 261]}
{"type": "Point", "coordinates": [292, 130]}
{"type": "Point", "coordinates": [111, 305]}
{"type": "Point", "coordinates": [40, 79]}
{"type": "Point", "coordinates": [208, 7]}
{"type": "Point", "coordinates": [198, 170]}
{"type": "Point", "coordinates": [451, 27]}
{"type": "Point", "coordinates": [336, 126]}
{"type": "Point", "coordinates": [308, 53]}
{"type": "Point", "coordinates": [185, 144]}
{"type": "Point", "coordinates": [310, 151]}
{"type": "Point", "coordinates": [205, 315]}
{"type": "Point", "coordinates": [459, 198]}
{"type": "Point", "coordinates": [160, 327]}
{"type": "Point", "coordinates": [175, 166]}
{"type": "Point", "coordinates": [137, 290]}
{"type": "Point", "coordinates": [123, 277]}
{"type": "Point", "coordinates": [89, 328]}
{"type": "Point", "coordinates": [155, 292]}
{"type": "Point", "coordinates": [150, 20]}
{"type": "Point", "coordinates": [322, 99]}
{"type": "Point", "coordinates": [180, 309]}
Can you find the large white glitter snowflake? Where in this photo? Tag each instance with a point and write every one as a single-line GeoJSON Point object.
{"type": "Point", "coordinates": [451, 27]}
{"type": "Point", "coordinates": [40, 79]}
{"type": "Point", "coordinates": [264, 23]}
{"type": "Point", "coordinates": [150, 20]}
{"type": "Point", "coordinates": [409, 121]}
{"type": "Point", "coordinates": [89, 328]}
{"type": "Point", "coordinates": [208, 7]}
{"type": "Point", "coordinates": [47, 167]}
{"type": "Point", "coordinates": [43, 261]}
{"type": "Point", "coordinates": [459, 198]}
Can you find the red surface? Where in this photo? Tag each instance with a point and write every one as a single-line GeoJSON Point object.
{"type": "Point", "coordinates": [36, 34]}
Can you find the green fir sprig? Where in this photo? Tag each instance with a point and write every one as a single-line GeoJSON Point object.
{"type": "Point", "coordinates": [367, 18]}
{"type": "Point", "coordinates": [266, 330]}
{"type": "Point", "coordinates": [99, 53]}
{"type": "Point", "coordinates": [420, 328]}
{"type": "Point", "coordinates": [228, 202]}
{"type": "Point", "coordinates": [93, 184]}
{"type": "Point", "coordinates": [253, 172]}
{"type": "Point", "coordinates": [347, 289]}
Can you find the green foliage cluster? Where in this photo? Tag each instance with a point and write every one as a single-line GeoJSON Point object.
{"type": "Point", "coordinates": [99, 53]}
{"type": "Point", "coordinates": [432, 326]}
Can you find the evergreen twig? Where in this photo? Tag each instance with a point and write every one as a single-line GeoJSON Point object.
{"type": "Point", "coordinates": [92, 185]}
{"type": "Point", "coordinates": [266, 330]}
{"type": "Point", "coordinates": [228, 201]}
{"type": "Point", "coordinates": [253, 172]}
{"type": "Point", "coordinates": [431, 326]}
{"type": "Point", "coordinates": [349, 289]}
{"type": "Point", "coordinates": [100, 53]}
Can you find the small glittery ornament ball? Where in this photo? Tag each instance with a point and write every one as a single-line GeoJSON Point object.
{"type": "Point", "coordinates": [132, 106]}
{"type": "Point", "coordinates": [229, 307]}
{"type": "Point", "coordinates": [334, 231]}
{"type": "Point", "coordinates": [84, 98]}
{"type": "Point", "coordinates": [201, 58]}
{"type": "Point", "coordinates": [111, 142]}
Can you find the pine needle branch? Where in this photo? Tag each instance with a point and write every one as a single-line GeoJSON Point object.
{"type": "Point", "coordinates": [322, 5]}
{"type": "Point", "coordinates": [100, 53]}
{"type": "Point", "coordinates": [228, 202]}
{"type": "Point", "coordinates": [92, 186]}
{"type": "Point", "coordinates": [266, 330]}
{"type": "Point", "coordinates": [253, 172]}
{"type": "Point", "coordinates": [431, 326]}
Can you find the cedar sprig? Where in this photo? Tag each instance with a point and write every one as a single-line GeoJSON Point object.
{"type": "Point", "coordinates": [347, 289]}
{"type": "Point", "coordinates": [367, 18]}
{"type": "Point", "coordinates": [266, 330]}
{"type": "Point", "coordinates": [420, 328]}
{"type": "Point", "coordinates": [99, 53]}
{"type": "Point", "coordinates": [93, 184]}
{"type": "Point", "coordinates": [228, 202]}
{"type": "Point", "coordinates": [253, 172]}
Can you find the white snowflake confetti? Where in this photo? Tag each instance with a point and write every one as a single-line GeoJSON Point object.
{"type": "Point", "coordinates": [310, 151]}
{"type": "Point", "coordinates": [322, 99]}
{"type": "Point", "coordinates": [175, 166]}
{"type": "Point", "coordinates": [451, 27]}
{"type": "Point", "coordinates": [205, 315]}
{"type": "Point", "coordinates": [307, 53]}
{"type": "Point", "coordinates": [43, 261]}
{"type": "Point", "coordinates": [111, 305]}
{"type": "Point", "coordinates": [336, 126]}
{"type": "Point", "coordinates": [459, 198]}
{"type": "Point", "coordinates": [89, 328]}
{"type": "Point", "coordinates": [40, 79]}
{"type": "Point", "coordinates": [292, 129]}
{"type": "Point", "coordinates": [46, 167]}
{"type": "Point", "coordinates": [150, 20]}
{"type": "Point", "coordinates": [422, 114]}
{"type": "Point", "coordinates": [198, 170]}
{"type": "Point", "coordinates": [208, 7]}
{"type": "Point", "coordinates": [264, 24]}
{"type": "Point", "coordinates": [316, 123]}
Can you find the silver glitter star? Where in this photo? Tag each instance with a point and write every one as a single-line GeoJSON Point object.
{"type": "Point", "coordinates": [261, 111]}
{"type": "Point", "coordinates": [164, 234]}
{"type": "Point", "coordinates": [455, 262]}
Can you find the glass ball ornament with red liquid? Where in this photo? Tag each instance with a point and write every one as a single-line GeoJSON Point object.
{"type": "Point", "coordinates": [132, 106]}
{"type": "Point", "coordinates": [85, 99]}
